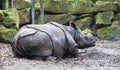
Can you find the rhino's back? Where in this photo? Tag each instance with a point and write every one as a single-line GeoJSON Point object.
{"type": "Point", "coordinates": [54, 32]}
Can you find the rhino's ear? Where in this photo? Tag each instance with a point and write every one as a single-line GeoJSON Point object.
{"type": "Point", "coordinates": [72, 24]}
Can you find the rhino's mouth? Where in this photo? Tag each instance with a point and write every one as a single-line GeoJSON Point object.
{"type": "Point", "coordinates": [86, 44]}
{"type": "Point", "coordinates": [92, 42]}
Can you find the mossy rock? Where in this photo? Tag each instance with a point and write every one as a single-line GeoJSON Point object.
{"type": "Point", "coordinates": [60, 18]}
{"type": "Point", "coordinates": [24, 15]}
{"type": "Point", "coordinates": [1, 15]}
{"type": "Point", "coordinates": [109, 0]}
{"type": "Point", "coordinates": [7, 35]}
{"type": "Point", "coordinates": [2, 27]}
{"type": "Point", "coordinates": [109, 33]}
{"type": "Point", "coordinates": [22, 4]}
{"type": "Point", "coordinates": [116, 20]}
{"type": "Point", "coordinates": [37, 6]}
{"type": "Point", "coordinates": [84, 15]}
{"type": "Point", "coordinates": [119, 5]}
{"type": "Point", "coordinates": [84, 23]}
{"type": "Point", "coordinates": [104, 18]}
{"type": "Point", "coordinates": [67, 6]}
{"type": "Point", "coordinates": [105, 6]}
{"type": "Point", "coordinates": [11, 18]}
{"type": "Point", "coordinates": [87, 31]}
{"type": "Point", "coordinates": [94, 1]}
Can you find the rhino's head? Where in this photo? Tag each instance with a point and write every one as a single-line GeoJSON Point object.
{"type": "Point", "coordinates": [83, 41]}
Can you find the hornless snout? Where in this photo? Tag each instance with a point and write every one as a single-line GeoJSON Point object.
{"type": "Point", "coordinates": [91, 40]}
{"type": "Point", "coordinates": [86, 43]}
{"type": "Point", "coordinates": [92, 43]}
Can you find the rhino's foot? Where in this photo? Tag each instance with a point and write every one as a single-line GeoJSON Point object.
{"type": "Point", "coordinates": [72, 56]}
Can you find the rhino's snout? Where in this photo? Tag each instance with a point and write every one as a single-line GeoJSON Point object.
{"type": "Point", "coordinates": [91, 39]}
{"type": "Point", "coordinates": [92, 43]}
{"type": "Point", "coordinates": [87, 42]}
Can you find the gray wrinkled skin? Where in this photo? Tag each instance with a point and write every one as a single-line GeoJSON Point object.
{"type": "Point", "coordinates": [51, 39]}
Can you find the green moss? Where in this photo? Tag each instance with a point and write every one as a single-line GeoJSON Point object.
{"type": "Point", "coordinates": [11, 18]}
{"type": "Point", "coordinates": [84, 23]}
{"type": "Point", "coordinates": [103, 32]}
{"type": "Point", "coordinates": [8, 21]}
{"type": "Point", "coordinates": [105, 6]}
{"type": "Point", "coordinates": [109, 33]}
{"type": "Point", "coordinates": [62, 6]}
{"type": "Point", "coordinates": [37, 6]}
{"type": "Point", "coordinates": [81, 7]}
{"type": "Point", "coordinates": [104, 18]}
{"type": "Point", "coordinates": [2, 27]}
{"type": "Point", "coordinates": [7, 35]}
{"type": "Point", "coordinates": [1, 15]}
{"type": "Point", "coordinates": [84, 15]}
{"type": "Point", "coordinates": [24, 15]}
{"type": "Point", "coordinates": [22, 4]}
{"type": "Point", "coordinates": [87, 31]}
{"type": "Point", "coordinates": [60, 18]}
{"type": "Point", "coordinates": [117, 20]}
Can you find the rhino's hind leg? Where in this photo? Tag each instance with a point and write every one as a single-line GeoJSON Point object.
{"type": "Point", "coordinates": [33, 46]}
{"type": "Point", "coordinates": [16, 48]}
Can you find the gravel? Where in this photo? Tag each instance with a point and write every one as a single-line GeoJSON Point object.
{"type": "Point", "coordinates": [104, 56]}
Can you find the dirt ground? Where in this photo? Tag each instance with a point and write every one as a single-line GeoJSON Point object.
{"type": "Point", "coordinates": [104, 56]}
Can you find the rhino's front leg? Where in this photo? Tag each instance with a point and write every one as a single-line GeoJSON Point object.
{"type": "Point", "coordinates": [58, 53]}
{"type": "Point", "coordinates": [73, 52]}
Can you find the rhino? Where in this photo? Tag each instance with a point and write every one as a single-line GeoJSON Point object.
{"type": "Point", "coordinates": [50, 39]}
